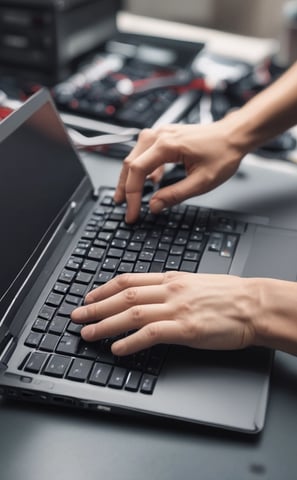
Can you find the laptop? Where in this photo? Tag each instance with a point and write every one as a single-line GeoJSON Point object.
{"type": "Point", "coordinates": [60, 238]}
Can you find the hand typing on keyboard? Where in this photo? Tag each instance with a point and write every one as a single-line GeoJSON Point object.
{"type": "Point", "coordinates": [206, 151]}
{"type": "Point", "coordinates": [173, 307]}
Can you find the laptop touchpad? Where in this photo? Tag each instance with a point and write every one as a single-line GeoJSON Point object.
{"type": "Point", "coordinates": [273, 254]}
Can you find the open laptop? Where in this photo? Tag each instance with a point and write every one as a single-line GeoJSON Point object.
{"type": "Point", "coordinates": [59, 239]}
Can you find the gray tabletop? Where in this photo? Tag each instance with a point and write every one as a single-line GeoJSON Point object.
{"type": "Point", "coordinates": [39, 442]}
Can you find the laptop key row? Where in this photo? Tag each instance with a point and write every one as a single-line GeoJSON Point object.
{"type": "Point", "coordinates": [85, 370]}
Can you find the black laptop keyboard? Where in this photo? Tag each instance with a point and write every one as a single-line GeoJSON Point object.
{"type": "Point", "coordinates": [173, 240]}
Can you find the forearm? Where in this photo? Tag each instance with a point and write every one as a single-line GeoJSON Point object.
{"type": "Point", "coordinates": [276, 322]}
{"type": "Point", "coordinates": [267, 114]}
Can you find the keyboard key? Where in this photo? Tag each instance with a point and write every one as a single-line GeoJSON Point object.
{"type": "Point", "coordinates": [80, 370]}
{"type": "Point", "coordinates": [173, 262]}
{"type": "Point", "coordinates": [229, 246]}
{"type": "Point", "coordinates": [54, 299]}
{"type": "Point", "coordinates": [49, 342]}
{"type": "Point", "coordinates": [61, 288]}
{"type": "Point", "coordinates": [47, 312]}
{"type": "Point", "coordinates": [157, 267]}
{"type": "Point", "coordinates": [68, 344]}
{"type": "Point", "coordinates": [35, 362]}
{"type": "Point", "coordinates": [118, 378]}
{"type": "Point", "coordinates": [57, 366]}
{"type": "Point", "coordinates": [57, 325]}
{"type": "Point", "coordinates": [100, 374]}
{"type": "Point", "coordinates": [40, 325]}
{"type": "Point", "coordinates": [148, 383]}
{"type": "Point", "coordinates": [88, 349]}
{"type": "Point", "coordinates": [90, 266]}
{"type": "Point", "coordinates": [160, 256]}
{"type": "Point", "coordinates": [73, 300]}
{"type": "Point", "coordinates": [125, 267]}
{"type": "Point", "coordinates": [33, 339]}
{"type": "Point", "coordinates": [188, 266]}
{"type": "Point", "coordinates": [66, 276]}
{"type": "Point", "coordinates": [110, 264]}
{"type": "Point", "coordinates": [103, 277]}
{"type": "Point", "coordinates": [84, 278]}
{"type": "Point", "coordinates": [65, 309]}
{"type": "Point", "coordinates": [133, 381]}
{"type": "Point", "coordinates": [142, 267]}
{"type": "Point", "coordinates": [74, 328]}
{"type": "Point", "coordinates": [78, 289]}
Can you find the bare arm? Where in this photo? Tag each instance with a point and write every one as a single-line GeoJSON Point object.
{"type": "Point", "coordinates": [269, 113]}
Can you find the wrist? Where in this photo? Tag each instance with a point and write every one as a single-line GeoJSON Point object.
{"type": "Point", "coordinates": [242, 132]}
{"type": "Point", "coordinates": [274, 318]}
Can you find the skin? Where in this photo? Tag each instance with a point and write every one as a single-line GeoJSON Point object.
{"type": "Point", "coordinates": [201, 311]}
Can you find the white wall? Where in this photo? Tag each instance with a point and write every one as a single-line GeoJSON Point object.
{"type": "Point", "coordinates": [193, 11]}
{"type": "Point", "coordinates": [261, 18]}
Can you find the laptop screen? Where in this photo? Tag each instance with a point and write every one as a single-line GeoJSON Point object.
{"type": "Point", "coordinates": [39, 172]}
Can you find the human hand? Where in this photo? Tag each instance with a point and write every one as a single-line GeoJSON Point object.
{"type": "Point", "coordinates": [207, 151]}
{"type": "Point", "coordinates": [197, 310]}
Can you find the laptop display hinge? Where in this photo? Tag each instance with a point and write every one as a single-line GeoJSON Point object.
{"type": "Point", "coordinates": [70, 215]}
{"type": "Point", "coordinates": [7, 347]}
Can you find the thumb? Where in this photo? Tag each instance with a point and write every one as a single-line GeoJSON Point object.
{"type": "Point", "coordinates": [173, 194]}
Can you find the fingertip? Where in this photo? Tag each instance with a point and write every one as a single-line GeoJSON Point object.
{"type": "Point", "coordinates": [77, 314]}
{"type": "Point", "coordinates": [118, 348]}
{"type": "Point", "coordinates": [157, 205]}
{"type": "Point", "coordinates": [130, 219]}
{"type": "Point", "coordinates": [88, 332]}
{"type": "Point", "coordinates": [89, 298]}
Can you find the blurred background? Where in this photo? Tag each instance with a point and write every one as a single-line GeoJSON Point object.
{"type": "Point", "coordinates": [260, 18]}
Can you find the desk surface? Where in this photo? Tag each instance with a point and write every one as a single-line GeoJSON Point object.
{"type": "Point", "coordinates": [49, 443]}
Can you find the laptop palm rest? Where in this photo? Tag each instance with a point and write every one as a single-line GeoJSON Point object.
{"type": "Point", "coordinates": [216, 387]}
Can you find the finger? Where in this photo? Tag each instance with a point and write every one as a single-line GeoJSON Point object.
{"type": "Point", "coordinates": [145, 140]}
{"type": "Point", "coordinates": [152, 159]}
{"type": "Point", "coordinates": [120, 191]}
{"type": "Point", "coordinates": [132, 319]}
{"type": "Point", "coordinates": [167, 332]}
{"type": "Point", "coordinates": [121, 282]}
{"type": "Point", "coordinates": [177, 193]}
{"type": "Point", "coordinates": [157, 174]}
{"type": "Point", "coordinates": [118, 303]}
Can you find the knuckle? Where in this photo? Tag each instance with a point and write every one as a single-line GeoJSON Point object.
{"type": "Point", "coordinates": [123, 281]}
{"type": "Point", "coordinates": [152, 332]}
{"type": "Point", "coordinates": [136, 315]}
{"type": "Point", "coordinates": [168, 276]}
{"type": "Point", "coordinates": [174, 194]}
{"type": "Point", "coordinates": [127, 162]}
{"type": "Point", "coordinates": [136, 167]}
{"type": "Point", "coordinates": [130, 295]}
{"type": "Point", "coordinates": [175, 286]}
{"type": "Point", "coordinates": [92, 311]}
{"type": "Point", "coordinates": [146, 134]}
{"type": "Point", "coordinates": [190, 330]}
